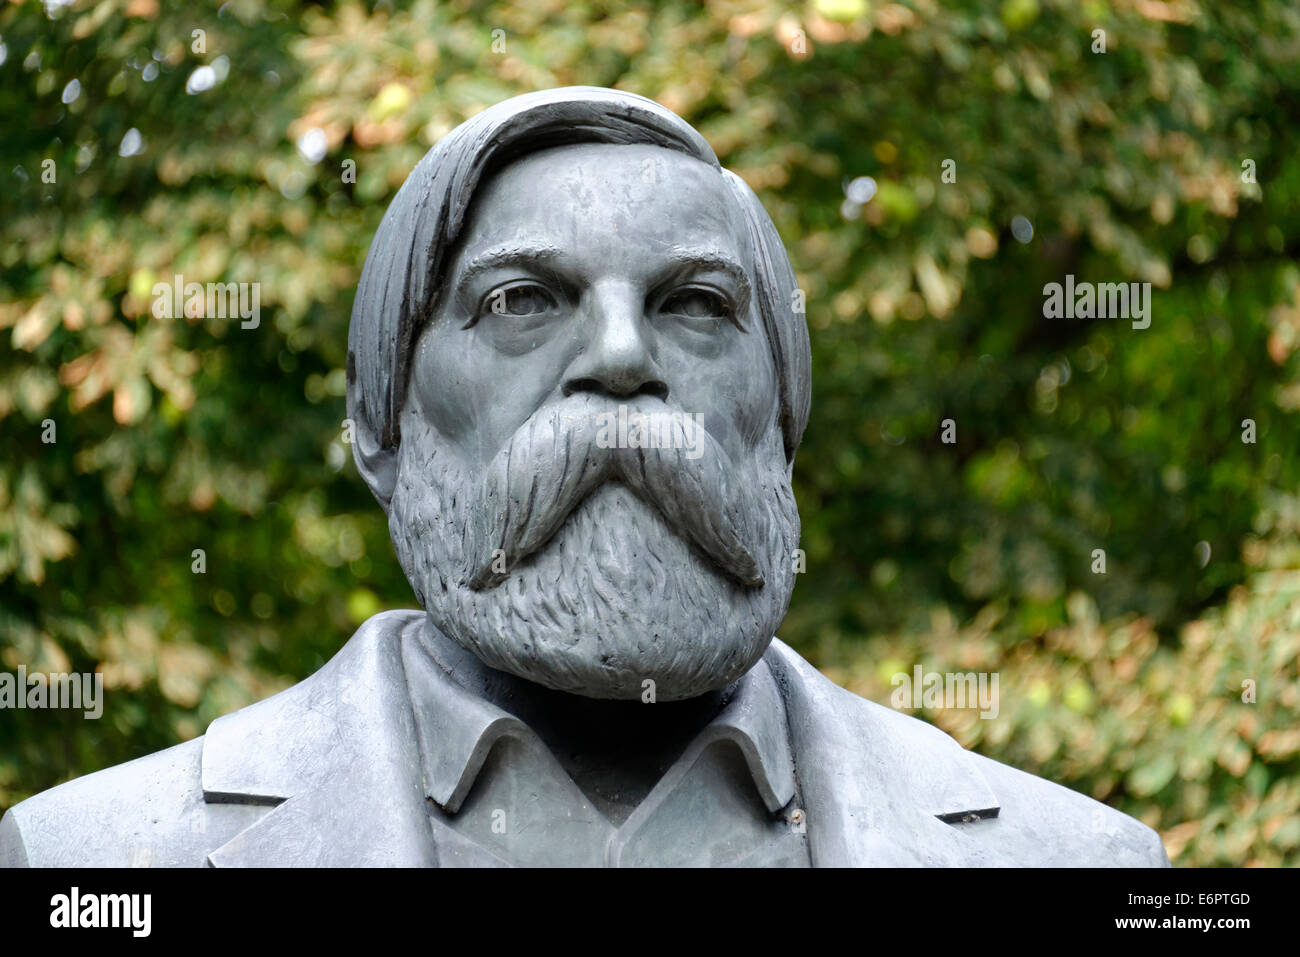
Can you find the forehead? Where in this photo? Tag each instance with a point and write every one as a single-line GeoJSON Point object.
{"type": "Point", "coordinates": [581, 197]}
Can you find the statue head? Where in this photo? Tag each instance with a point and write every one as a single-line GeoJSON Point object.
{"type": "Point", "coordinates": [578, 376]}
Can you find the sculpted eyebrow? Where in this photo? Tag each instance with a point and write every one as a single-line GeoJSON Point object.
{"type": "Point", "coordinates": [708, 259]}
{"type": "Point", "coordinates": [506, 256]}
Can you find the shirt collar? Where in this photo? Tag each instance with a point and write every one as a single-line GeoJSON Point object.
{"type": "Point", "coordinates": [457, 727]}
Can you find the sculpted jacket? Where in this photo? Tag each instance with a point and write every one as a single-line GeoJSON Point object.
{"type": "Point", "coordinates": [328, 773]}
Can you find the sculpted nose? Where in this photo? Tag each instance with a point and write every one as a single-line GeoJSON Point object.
{"type": "Point", "coordinates": [618, 360]}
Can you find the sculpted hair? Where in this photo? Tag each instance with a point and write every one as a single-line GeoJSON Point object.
{"type": "Point", "coordinates": [404, 268]}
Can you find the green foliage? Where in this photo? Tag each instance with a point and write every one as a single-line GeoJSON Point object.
{"type": "Point", "coordinates": [1072, 435]}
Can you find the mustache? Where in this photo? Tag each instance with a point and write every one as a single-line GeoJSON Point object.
{"type": "Point", "coordinates": [564, 452]}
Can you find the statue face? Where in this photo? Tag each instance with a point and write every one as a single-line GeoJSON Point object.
{"type": "Point", "coordinates": [592, 489]}
{"type": "Point", "coordinates": [608, 265]}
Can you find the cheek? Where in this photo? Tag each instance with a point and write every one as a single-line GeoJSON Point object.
{"type": "Point", "coordinates": [736, 391]}
{"type": "Point", "coordinates": [441, 390]}
{"type": "Point", "coordinates": [756, 399]}
{"type": "Point", "coordinates": [474, 395]}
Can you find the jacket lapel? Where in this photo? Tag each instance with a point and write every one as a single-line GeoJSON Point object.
{"type": "Point", "coordinates": [879, 788]}
{"type": "Point", "coordinates": [336, 758]}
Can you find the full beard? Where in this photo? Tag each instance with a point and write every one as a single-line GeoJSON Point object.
{"type": "Point", "coordinates": [618, 594]}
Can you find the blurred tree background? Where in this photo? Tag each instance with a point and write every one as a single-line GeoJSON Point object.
{"type": "Point", "coordinates": [1172, 157]}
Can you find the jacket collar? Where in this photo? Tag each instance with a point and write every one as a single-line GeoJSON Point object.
{"type": "Point", "coordinates": [881, 788]}
{"type": "Point", "coordinates": [457, 722]}
{"type": "Point", "coordinates": [337, 758]}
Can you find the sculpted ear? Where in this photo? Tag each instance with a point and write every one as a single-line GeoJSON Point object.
{"type": "Point", "coordinates": [377, 465]}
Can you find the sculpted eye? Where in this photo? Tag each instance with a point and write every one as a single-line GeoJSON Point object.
{"type": "Point", "coordinates": [519, 299]}
{"type": "Point", "coordinates": [696, 303]}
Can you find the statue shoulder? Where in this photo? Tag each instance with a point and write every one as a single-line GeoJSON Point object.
{"type": "Point", "coordinates": [153, 811]}
{"type": "Point", "coordinates": [144, 812]}
{"type": "Point", "coordinates": [885, 760]}
{"type": "Point", "coordinates": [1042, 823]}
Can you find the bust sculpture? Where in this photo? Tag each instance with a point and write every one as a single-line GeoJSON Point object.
{"type": "Point", "coordinates": [578, 377]}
